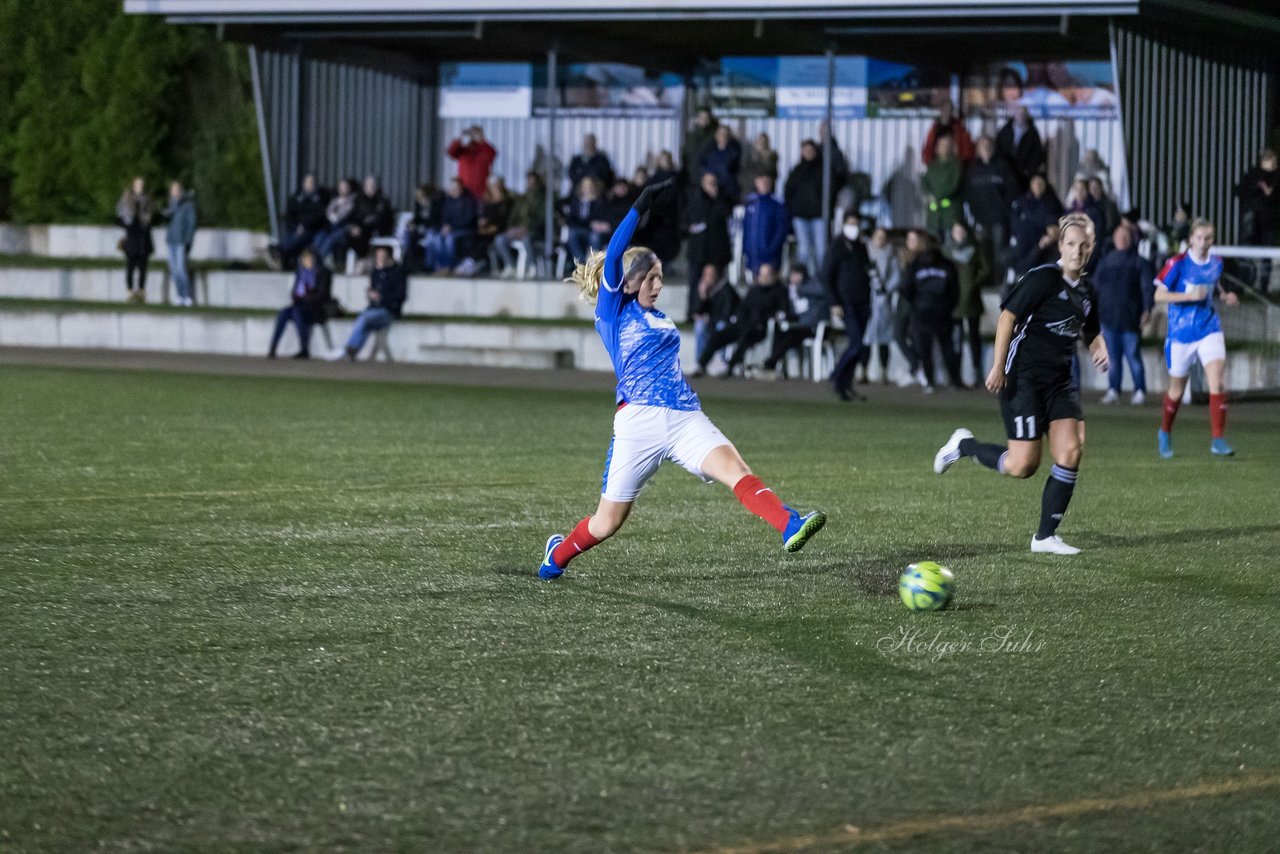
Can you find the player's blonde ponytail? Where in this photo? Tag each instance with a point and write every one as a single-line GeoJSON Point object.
{"type": "Point", "coordinates": [587, 275]}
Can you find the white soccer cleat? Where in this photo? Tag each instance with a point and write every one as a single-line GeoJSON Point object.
{"type": "Point", "coordinates": [949, 454]}
{"type": "Point", "coordinates": [1052, 546]}
{"type": "Point", "coordinates": [1109, 398]}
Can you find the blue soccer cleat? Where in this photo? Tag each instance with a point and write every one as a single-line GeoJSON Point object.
{"type": "Point", "coordinates": [1220, 448]}
{"type": "Point", "coordinates": [549, 571]}
{"type": "Point", "coordinates": [1162, 441]}
{"type": "Point", "coordinates": [800, 529]}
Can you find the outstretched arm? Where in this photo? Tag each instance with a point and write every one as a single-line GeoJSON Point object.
{"type": "Point", "coordinates": [613, 272]}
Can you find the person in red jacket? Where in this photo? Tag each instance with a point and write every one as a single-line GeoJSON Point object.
{"type": "Point", "coordinates": [946, 124]}
{"type": "Point", "coordinates": [475, 157]}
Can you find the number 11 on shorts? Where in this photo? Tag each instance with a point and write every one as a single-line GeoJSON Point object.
{"type": "Point", "coordinates": [1024, 427]}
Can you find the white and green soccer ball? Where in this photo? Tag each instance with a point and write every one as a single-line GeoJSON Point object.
{"type": "Point", "coordinates": [926, 586]}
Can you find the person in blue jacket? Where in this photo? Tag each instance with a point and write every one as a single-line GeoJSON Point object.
{"type": "Point", "coordinates": [764, 227]}
{"type": "Point", "coordinates": [658, 416]}
{"type": "Point", "coordinates": [1124, 284]}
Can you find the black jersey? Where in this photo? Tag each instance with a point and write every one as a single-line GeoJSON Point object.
{"type": "Point", "coordinates": [1052, 313]}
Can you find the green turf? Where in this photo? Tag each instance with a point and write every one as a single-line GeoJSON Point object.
{"type": "Point", "coordinates": [267, 615]}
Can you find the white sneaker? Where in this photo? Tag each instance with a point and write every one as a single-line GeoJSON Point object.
{"type": "Point", "coordinates": [949, 454]}
{"type": "Point", "coordinates": [1109, 398]}
{"type": "Point", "coordinates": [920, 378]}
{"type": "Point", "coordinates": [928, 389]}
{"type": "Point", "coordinates": [1052, 546]}
{"type": "Point", "coordinates": [1139, 398]}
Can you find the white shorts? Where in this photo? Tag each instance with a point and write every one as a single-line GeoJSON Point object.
{"type": "Point", "coordinates": [644, 436]}
{"type": "Point", "coordinates": [1180, 355]}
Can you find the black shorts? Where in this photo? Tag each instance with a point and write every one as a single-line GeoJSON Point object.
{"type": "Point", "coordinates": [1030, 402]}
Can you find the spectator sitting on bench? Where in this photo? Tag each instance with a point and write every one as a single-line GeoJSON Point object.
{"type": "Point", "coordinates": [808, 305]}
{"type": "Point", "coordinates": [387, 290]}
{"type": "Point", "coordinates": [371, 217]}
{"type": "Point", "coordinates": [457, 224]}
{"type": "Point", "coordinates": [331, 239]}
{"type": "Point", "coordinates": [764, 300]}
{"type": "Point", "coordinates": [304, 217]}
{"type": "Point", "coordinates": [524, 226]}
{"type": "Point", "coordinates": [311, 289]}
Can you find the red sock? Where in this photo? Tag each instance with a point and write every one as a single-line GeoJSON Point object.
{"type": "Point", "coordinates": [760, 500]}
{"type": "Point", "coordinates": [1218, 414]}
{"type": "Point", "coordinates": [1171, 405]}
{"type": "Point", "coordinates": [574, 544]}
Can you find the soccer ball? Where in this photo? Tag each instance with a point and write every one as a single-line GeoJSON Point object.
{"type": "Point", "coordinates": [925, 586]}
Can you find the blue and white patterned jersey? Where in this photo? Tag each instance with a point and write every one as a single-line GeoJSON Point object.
{"type": "Point", "coordinates": [1191, 321]}
{"type": "Point", "coordinates": [643, 343]}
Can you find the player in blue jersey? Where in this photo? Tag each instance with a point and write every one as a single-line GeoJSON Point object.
{"type": "Point", "coordinates": [1188, 284]}
{"type": "Point", "coordinates": [1042, 317]}
{"type": "Point", "coordinates": [658, 416]}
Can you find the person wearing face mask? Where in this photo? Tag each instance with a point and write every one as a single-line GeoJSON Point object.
{"type": "Point", "coordinates": [658, 416]}
{"type": "Point", "coordinates": [847, 275]}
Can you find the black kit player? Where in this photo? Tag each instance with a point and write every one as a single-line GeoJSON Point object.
{"type": "Point", "coordinates": [1042, 316]}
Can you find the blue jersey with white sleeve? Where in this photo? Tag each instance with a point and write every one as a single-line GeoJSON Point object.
{"type": "Point", "coordinates": [1192, 321]}
{"type": "Point", "coordinates": [643, 343]}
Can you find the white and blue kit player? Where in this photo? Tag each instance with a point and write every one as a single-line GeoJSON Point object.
{"type": "Point", "coordinates": [658, 416]}
{"type": "Point", "coordinates": [1188, 285]}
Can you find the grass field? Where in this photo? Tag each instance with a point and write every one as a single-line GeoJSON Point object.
{"type": "Point", "coordinates": [243, 614]}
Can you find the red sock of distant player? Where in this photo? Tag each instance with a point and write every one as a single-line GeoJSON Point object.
{"type": "Point", "coordinates": [760, 500]}
{"type": "Point", "coordinates": [1171, 405]}
{"type": "Point", "coordinates": [574, 544]}
{"type": "Point", "coordinates": [1218, 414]}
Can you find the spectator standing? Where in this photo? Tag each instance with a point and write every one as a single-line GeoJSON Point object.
{"type": "Point", "coordinates": [947, 124]}
{"type": "Point", "coordinates": [803, 197]}
{"type": "Point", "coordinates": [1033, 213]}
{"type": "Point", "coordinates": [847, 276]}
{"type": "Point", "coordinates": [807, 305]}
{"type": "Point", "coordinates": [886, 276]}
{"type": "Point", "coordinates": [1106, 205]}
{"type": "Point", "coordinates": [525, 226]}
{"type": "Point", "coordinates": [475, 158]}
{"type": "Point", "coordinates": [839, 163]}
{"type": "Point", "coordinates": [707, 223]}
{"type": "Point", "coordinates": [1259, 194]}
{"type": "Point", "coordinates": [1020, 145]}
{"type": "Point", "coordinates": [698, 137]}
{"type": "Point", "coordinates": [133, 213]}
{"type": "Point", "coordinates": [932, 287]}
{"type": "Point", "coordinates": [989, 190]}
{"type": "Point", "coordinates": [764, 227]}
{"type": "Point", "coordinates": [1179, 228]}
{"type": "Point", "coordinates": [581, 214]}
{"type": "Point", "coordinates": [591, 162]}
{"type": "Point", "coordinates": [332, 237]}
{"type": "Point", "coordinates": [971, 274]}
{"type": "Point", "coordinates": [660, 227]}
{"type": "Point", "coordinates": [903, 310]}
{"type": "Point", "coordinates": [312, 285]}
{"type": "Point", "coordinates": [370, 217]}
{"type": "Point", "coordinates": [179, 234]}
{"type": "Point", "coordinates": [941, 184]}
{"type": "Point", "coordinates": [723, 158]}
{"type": "Point", "coordinates": [448, 244]}
{"type": "Point", "coordinates": [1123, 283]}
{"type": "Point", "coordinates": [388, 288]}
{"type": "Point", "coordinates": [1093, 166]}
{"type": "Point", "coordinates": [765, 300]}
{"type": "Point", "coordinates": [1079, 200]}
{"type": "Point", "coordinates": [759, 159]}
{"type": "Point", "coordinates": [303, 219]}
